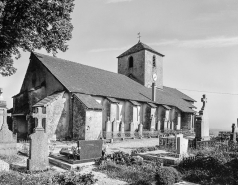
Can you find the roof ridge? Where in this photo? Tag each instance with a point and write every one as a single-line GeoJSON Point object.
{"type": "Point", "coordinates": [79, 64]}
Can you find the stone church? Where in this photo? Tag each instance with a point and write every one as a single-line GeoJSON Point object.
{"type": "Point", "coordinates": [82, 102]}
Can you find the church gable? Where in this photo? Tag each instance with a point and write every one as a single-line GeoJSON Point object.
{"type": "Point", "coordinates": [37, 76]}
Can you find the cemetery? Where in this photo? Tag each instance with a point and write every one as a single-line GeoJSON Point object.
{"type": "Point", "coordinates": [171, 156]}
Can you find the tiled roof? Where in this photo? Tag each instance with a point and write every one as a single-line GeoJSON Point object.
{"type": "Point", "coordinates": [178, 93]}
{"type": "Point", "coordinates": [166, 107]}
{"type": "Point", "coordinates": [88, 101]}
{"type": "Point", "coordinates": [83, 79]}
{"type": "Point", "coordinates": [113, 100]}
{"type": "Point", "coordinates": [152, 105]}
{"type": "Point", "coordinates": [138, 47]}
{"type": "Point", "coordinates": [47, 100]}
{"type": "Point", "coordinates": [135, 103]}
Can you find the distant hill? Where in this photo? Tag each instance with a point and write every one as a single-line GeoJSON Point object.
{"type": "Point", "coordinates": [216, 131]}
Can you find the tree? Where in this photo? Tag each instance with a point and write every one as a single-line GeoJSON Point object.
{"type": "Point", "coordinates": [33, 24]}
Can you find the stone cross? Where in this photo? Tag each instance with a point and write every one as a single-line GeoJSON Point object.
{"type": "Point", "coordinates": [204, 100]}
{"type": "Point", "coordinates": [39, 115]}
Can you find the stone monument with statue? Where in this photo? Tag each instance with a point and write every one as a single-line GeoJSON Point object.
{"type": "Point", "coordinates": [8, 142]}
{"type": "Point", "coordinates": [202, 122]}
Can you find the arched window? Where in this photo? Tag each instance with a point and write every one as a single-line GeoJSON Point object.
{"type": "Point", "coordinates": [154, 61]}
{"type": "Point", "coordinates": [131, 61]}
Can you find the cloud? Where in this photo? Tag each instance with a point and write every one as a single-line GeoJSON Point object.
{"type": "Point", "coordinates": [201, 43]}
{"type": "Point", "coordinates": [117, 1]}
{"type": "Point", "coordinates": [216, 42]}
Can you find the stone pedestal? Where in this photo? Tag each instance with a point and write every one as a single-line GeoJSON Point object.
{"type": "Point", "coordinates": [122, 129]}
{"type": "Point", "coordinates": [114, 129]}
{"type": "Point", "coordinates": [140, 129]}
{"type": "Point", "coordinates": [202, 123]}
{"type": "Point", "coordinates": [182, 145]}
{"type": "Point", "coordinates": [159, 125]}
{"type": "Point", "coordinates": [108, 129]}
{"type": "Point", "coordinates": [8, 141]}
{"type": "Point", "coordinates": [178, 126]}
{"type": "Point", "coordinates": [152, 123]}
{"type": "Point", "coordinates": [38, 159]}
{"type": "Point", "coordinates": [172, 125]}
{"type": "Point", "coordinates": [132, 129]}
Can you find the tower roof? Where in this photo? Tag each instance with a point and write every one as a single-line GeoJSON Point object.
{"type": "Point", "coordinates": [138, 47]}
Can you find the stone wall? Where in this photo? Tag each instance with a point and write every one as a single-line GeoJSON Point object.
{"type": "Point", "coordinates": [161, 116]}
{"type": "Point", "coordinates": [149, 69]}
{"type": "Point", "coordinates": [58, 117]}
{"type": "Point", "coordinates": [79, 116]}
{"type": "Point", "coordinates": [93, 124]}
{"type": "Point", "coordinates": [186, 121]}
{"type": "Point", "coordinates": [146, 116]}
{"type": "Point", "coordinates": [138, 67]}
{"type": "Point", "coordinates": [105, 113]}
{"type": "Point", "coordinates": [128, 115]}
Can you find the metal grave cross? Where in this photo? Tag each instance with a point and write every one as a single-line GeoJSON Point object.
{"type": "Point", "coordinates": [139, 36]}
{"type": "Point", "coordinates": [204, 101]}
{"type": "Point", "coordinates": [39, 115]}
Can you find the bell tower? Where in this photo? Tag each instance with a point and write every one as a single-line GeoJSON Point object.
{"type": "Point", "coordinates": [142, 63]}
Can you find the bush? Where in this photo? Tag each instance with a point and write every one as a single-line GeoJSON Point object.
{"type": "Point", "coordinates": [71, 178]}
{"type": "Point", "coordinates": [67, 178]}
{"type": "Point", "coordinates": [134, 173]}
{"type": "Point", "coordinates": [167, 176]}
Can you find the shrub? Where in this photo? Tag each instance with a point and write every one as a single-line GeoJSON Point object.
{"type": "Point", "coordinates": [167, 176]}
{"type": "Point", "coordinates": [134, 173]}
{"type": "Point", "coordinates": [71, 178]}
{"type": "Point", "coordinates": [67, 178]}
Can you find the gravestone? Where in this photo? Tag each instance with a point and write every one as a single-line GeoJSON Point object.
{"type": "Point", "coordinates": [8, 141]}
{"type": "Point", "coordinates": [114, 128]}
{"type": "Point", "coordinates": [202, 122]}
{"type": "Point", "coordinates": [140, 129]}
{"type": "Point", "coordinates": [182, 145]}
{"type": "Point", "coordinates": [90, 149]}
{"type": "Point", "coordinates": [38, 159]}
{"type": "Point", "coordinates": [108, 129]}
{"type": "Point", "coordinates": [122, 129]}
{"type": "Point", "coordinates": [4, 166]}
{"type": "Point", "coordinates": [233, 133]}
{"type": "Point", "coordinates": [132, 129]}
{"type": "Point", "coordinates": [152, 123]}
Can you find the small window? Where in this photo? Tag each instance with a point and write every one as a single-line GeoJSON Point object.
{"type": "Point", "coordinates": [131, 61]}
{"type": "Point", "coordinates": [154, 61]}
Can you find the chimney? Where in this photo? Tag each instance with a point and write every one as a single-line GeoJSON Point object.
{"type": "Point", "coordinates": [153, 92]}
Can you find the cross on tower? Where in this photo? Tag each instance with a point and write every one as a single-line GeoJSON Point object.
{"type": "Point", "coordinates": [139, 36]}
{"type": "Point", "coordinates": [204, 101]}
{"type": "Point", "coordinates": [39, 115]}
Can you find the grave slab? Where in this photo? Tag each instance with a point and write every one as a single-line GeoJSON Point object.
{"type": "Point", "coordinates": [4, 166]}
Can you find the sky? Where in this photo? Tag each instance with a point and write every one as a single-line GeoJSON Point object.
{"type": "Point", "coordinates": [198, 38]}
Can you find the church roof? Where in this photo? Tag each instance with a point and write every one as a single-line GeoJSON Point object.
{"type": "Point", "coordinates": [48, 100]}
{"type": "Point", "coordinates": [138, 47]}
{"type": "Point", "coordinates": [88, 101]}
{"type": "Point", "coordinates": [78, 78]}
